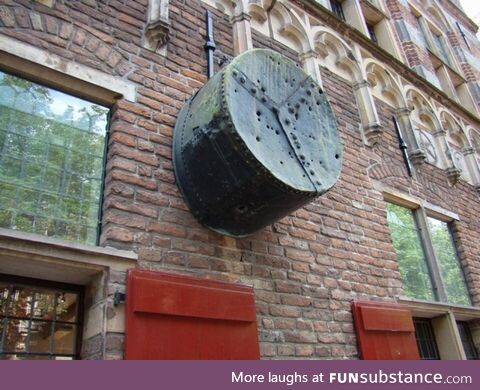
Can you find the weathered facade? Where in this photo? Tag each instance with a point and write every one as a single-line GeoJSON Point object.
{"type": "Point", "coordinates": [414, 64]}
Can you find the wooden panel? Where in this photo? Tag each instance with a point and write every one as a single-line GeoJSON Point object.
{"type": "Point", "coordinates": [181, 317]}
{"type": "Point", "coordinates": [385, 331]}
{"type": "Point", "coordinates": [389, 320]}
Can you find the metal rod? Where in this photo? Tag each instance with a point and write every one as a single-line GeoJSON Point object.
{"type": "Point", "coordinates": [210, 44]}
{"type": "Point", "coordinates": [403, 146]}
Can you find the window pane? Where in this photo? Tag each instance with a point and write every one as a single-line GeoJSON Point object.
{"type": "Point", "coordinates": [67, 307]}
{"type": "Point", "coordinates": [3, 298]}
{"type": "Point", "coordinates": [40, 337]}
{"type": "Point", "coordinates": [52, 147]}
{"type": "Point", "coordinates": [20, 304]}
{"type": "Point", "coordinates": [64, 339]}
{"type": "Point", "coordinates": [452, 274]}
{"type": "Point", "coordinates": [44, 304]}
{"type": "Point", "coordinates": [16, 333]}
{"type": "Point", "coordinates": [411, 258]}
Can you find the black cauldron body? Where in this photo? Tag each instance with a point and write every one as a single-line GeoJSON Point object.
{"type": "Point", "coordinates": [254, 144]}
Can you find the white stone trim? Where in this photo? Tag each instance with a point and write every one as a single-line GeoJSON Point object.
{"type": "Point", "coordinates": [77, 71]}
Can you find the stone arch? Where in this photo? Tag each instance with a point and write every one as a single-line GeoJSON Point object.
{"type": "Point", "coordinates": [335, 53]}
{"type": "Point", "coordinates": [426, 127]}
{"type": "Point", "coordinates": [439, 16]}
{"type": "Point", "coordinates": [458, 143]}
{"type": "Point", "coordinates": [383, 85]}
{"type": "Point", "coordinates": [287, 28]}
{"type": "Point", "coordinates": [257, 9]}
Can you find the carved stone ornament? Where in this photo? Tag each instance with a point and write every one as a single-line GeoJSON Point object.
{"type": "Point", "coordinates": [417, 157]}
{"type": "Point", "coordinates": [157, 31]}
{"type": "Point", "coordinates": [256, 143]}
{"type": "Point", "coordinates": [453, 175]}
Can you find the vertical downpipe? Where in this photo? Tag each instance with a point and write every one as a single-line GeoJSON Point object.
{"type": "Point", "coordinates": [210, 44]}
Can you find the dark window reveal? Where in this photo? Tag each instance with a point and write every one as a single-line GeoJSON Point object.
{"type": "Point", "coordinates": [371, 32]}
{"type": "Point", "coordinates": [337, 9]}
{"type": "Point", "coordinates": [467, 341]}
{"type": "Point", "coordinates": [427, 346]}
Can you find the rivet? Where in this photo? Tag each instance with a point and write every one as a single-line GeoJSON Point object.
{"type": "Point", "coordinates": [264, 99]}
{"type": "Point", "coordinates": [302, 157]}
{"type": "Point", "coordinates": [297, 105]}
{"type": "Point", "coordinates": [294, 137]}
{"type": "Point", "coordinates": [287, 121]}
{"type": "Point", "coordinates": [309, 92]}
{"type": "Point", "coordinates": [312, 173]}
{"type": "Point", "coordinates": [291, 110]}
{"type": "Point", "coordinates": [254, 90]}
{"type": "Point", "coordinates": [302, 100]}
{"type": "Point", "coordinates": [235, 73]}
{"type": "Point", "coordinates": [242, 80]}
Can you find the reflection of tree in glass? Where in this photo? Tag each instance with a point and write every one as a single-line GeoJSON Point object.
{"type": "Point", "coordinates": [51, 161]}
{"type": "Point", "coordinates": [410, 255]}
{"type": "Point", "coordinates": [452, 276]}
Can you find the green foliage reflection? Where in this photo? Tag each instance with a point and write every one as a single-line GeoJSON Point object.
{"type": "Point", "coordinates": [51, 161]}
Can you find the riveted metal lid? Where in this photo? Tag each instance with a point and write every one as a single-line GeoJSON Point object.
{"type": "Point", "coordinates": [284, 119]}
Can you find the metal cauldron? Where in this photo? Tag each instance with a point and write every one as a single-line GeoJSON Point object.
{"type": "Point", "coordinates": [256, 143]}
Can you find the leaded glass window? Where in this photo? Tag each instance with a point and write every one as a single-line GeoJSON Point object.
{"type": "Point", "coordinates": [411, 257]}
{"type": "Point", "coordinates": [39, 321]}
{"type": "Point", "coordinates": [52, 149]}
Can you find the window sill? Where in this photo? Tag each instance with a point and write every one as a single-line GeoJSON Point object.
{"type": "Point", "coordinates": [32, 255]}
{"type": "Point", "coordinates": [430, 309]}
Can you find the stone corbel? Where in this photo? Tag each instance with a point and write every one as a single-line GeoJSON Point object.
{"type": "Point", "coordinates": [157, 31]}
{"type": "Point", "coordinates": [417, 157]}
{"type": "Point", "coordinates": [371, 126]}
{"type": "Point", "coordinates": [453, 175]}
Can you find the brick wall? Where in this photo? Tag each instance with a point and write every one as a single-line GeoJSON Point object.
{"type": "Point", "coordinates": [307, 267]}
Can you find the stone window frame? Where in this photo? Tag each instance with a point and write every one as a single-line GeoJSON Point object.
{"type": "Point", "coordinates": [375, 17]}
{"type": "Point", "coordinates": [449, 75]}
{"type": "Point", "coordinates": [443, 315]}
{"type": "Point", "coordinates": [101, 270]}
{"type": "Point", "coordinates": [422, 210]}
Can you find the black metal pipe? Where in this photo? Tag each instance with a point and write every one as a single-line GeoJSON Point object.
{"type": "Point", "coordinates": [403, 146]}
{"type": "Point", "coordinates": [210, 44]}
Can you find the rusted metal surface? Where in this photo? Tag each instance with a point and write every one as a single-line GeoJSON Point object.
{"type": "Point", "coordinates": [257, 142]}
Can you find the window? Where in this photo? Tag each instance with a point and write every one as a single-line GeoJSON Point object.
{"type": "Point", "coordinates": [471, 352]}
{"type": "Point", "coordinates": [411, 258]}
{"type": "Point", "coordinates": [337, 9]}
{"type": "Point", "coordinates": [427, 345]}
{"type": "Point", "coordinates": [427, 257]}
{"type": "Point", "coordinates": [445, 253]}
{"type": "Point", "coordinates": [371, 32]}
{"type": "Point", "coordinates": [51, 161]}
{"type": "Point", "coordinates": [39, 320]}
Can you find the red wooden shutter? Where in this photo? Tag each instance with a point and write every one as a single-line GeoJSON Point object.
{"type": "Point", "coordinates": [181, 317]}
{"type": "Point", "coordinates": [385, 331]}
